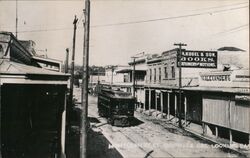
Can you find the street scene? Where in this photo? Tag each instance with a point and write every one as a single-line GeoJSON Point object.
{"type": "Point", "coordinates": [124, 79]}
{"type": "Point", "coordinates": [150, 137]}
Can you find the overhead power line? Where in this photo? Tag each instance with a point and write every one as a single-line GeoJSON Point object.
{"type": "Point", "coordinates": [46, 30]}
{"type": "Point", "coordinates": [143, 21]}
{"type": "Point", "coordinates": [232, 30]}
{"type": "Point", "coordinates": [209, 8]}
{"type": "Point", "coordinates": [170, 18]}
{"type": "Point", "coordinates": [222, 6]}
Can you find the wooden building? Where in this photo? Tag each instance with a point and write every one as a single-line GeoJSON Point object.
{"type": "Point", "coordinates": [32, 104]}
{"type": "Point", "coordinates": [216, 99]}
{"type": "Point", "coordinates": [225, 97]}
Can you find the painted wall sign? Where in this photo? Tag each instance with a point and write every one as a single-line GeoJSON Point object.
{"type": "Point", "coordinates": [236, 79]}
{"type": "Point", "coordinates": [216, 78]}
{"type": "Point", "coordinates": [198, 59]}
{"type": "Point", "coordinates": [242, 97]}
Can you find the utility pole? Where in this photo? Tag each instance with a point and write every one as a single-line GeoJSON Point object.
{"type": "Point", "coordinates": [133, 73]}
{"type": "Point", "coordinates": [133, 76]}
{"type": "Point", "coordinates": [66, 61]}
{"type": "Point", "coordinates": [98, 78]}
{"type": "Point", "coordinates": [112, 73]}
{"type": "Point", "coordinates": [179, 56]}
{"type": "Point", "coordinates": [84, 113]}
{"type": "Point", "coordinates": [16, 17]}
{"type": "Point", "coordinates": [73, 63]}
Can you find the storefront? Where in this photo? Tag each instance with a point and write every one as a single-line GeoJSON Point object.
{"type": "Point", "coordinates": [225, 104]}
{"type": "Point", "coordinates": [32, 104]}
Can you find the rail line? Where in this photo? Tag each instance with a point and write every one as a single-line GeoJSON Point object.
{"type": "Point", "coordinates": [144, 139]}
{"type": "Point", "coordinates": [187, 132]}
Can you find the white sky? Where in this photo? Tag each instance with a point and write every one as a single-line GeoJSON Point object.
{"type": "Point", "coordinates": [49, 24]}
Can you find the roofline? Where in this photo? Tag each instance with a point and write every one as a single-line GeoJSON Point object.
{"type": "Point", "coordinates": [48, 59]}
{"type": "Point", "coordinates": [137, 61]}
{"type": "Point", "coordinates": [14, 37]}
{"type": "Point", "coordinates": [41, 74]}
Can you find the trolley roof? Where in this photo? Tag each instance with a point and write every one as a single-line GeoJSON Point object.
{"type": "Point", "coordinates": [117, 94]}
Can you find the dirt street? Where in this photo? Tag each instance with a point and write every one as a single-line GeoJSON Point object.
{"type": "Point", "coordinates": [150, 137]}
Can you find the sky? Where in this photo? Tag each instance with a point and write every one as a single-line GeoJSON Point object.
{"type": "Point", "coordinates": [122, 28]}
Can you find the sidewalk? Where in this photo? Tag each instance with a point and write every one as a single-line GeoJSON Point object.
{"type": "Point", "coordinates": [197, 130]}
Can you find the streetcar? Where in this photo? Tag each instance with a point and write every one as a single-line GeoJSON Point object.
{"type": "Point", "coordinates": [117, 106]}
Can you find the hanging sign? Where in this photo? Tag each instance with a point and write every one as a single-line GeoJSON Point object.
{"type": "Point", "coordinates": [198, 59]}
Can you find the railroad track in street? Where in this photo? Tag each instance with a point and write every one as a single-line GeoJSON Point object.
{"type": "Point", "coordinates": [187, 132]}
{"type": "Point", "coordinates": [145, 148]}
{"type": "Point", "coordinates": [156, 138]}
{"type": "Point", "coordinates": [144, 143]}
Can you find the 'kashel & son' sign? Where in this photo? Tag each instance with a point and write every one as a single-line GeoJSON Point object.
{"type": "Point", "coordinates": [198, 59]}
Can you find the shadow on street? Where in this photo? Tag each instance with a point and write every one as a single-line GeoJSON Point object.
{"type": "Point", "coordinates": [98, 145]}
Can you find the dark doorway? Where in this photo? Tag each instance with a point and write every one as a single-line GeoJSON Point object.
{"type": "Point", "coordinates": [152, 99]}
{"type": "Point", "coordinates": [158, 99]}
{"type": "Point", "coordinates": [31, 120]}
{"type": "Point", "coordinates": [146, 99]}
{"type": "Point", "coordinates": [194, 107]}
{"type": "Point", "coordinates": [181, 108]}
{"type": "Point", "coordinates": [172, 104]}
{"type": "Point", "coordinates": [165, 102]}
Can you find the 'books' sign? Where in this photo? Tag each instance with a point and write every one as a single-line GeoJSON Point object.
{"type": "Point", "coordinates": [198, 59]}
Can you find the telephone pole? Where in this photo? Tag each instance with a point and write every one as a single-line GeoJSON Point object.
{"type": "Point", "coordinates": [112, 75]}
{"type": "Point", "coordinates": [66, 61]}
{"type": "Point", "coordinates": [180, 76]}
{"type": "Point", "coordinates": [85, 81]}
{"type": "Point", "coordinates": [73, 63]}
{"type": "Point", "coordinates": [133, 76]}
{"type": "Point", "coordinates": [16, 17]}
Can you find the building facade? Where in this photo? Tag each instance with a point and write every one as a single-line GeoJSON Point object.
{"type": "Point", "coordinates": [216, 98]}
{"type": "Point", "coordinates": [32, 102]}
{"type": "Point", "coordinates": [225, 97]}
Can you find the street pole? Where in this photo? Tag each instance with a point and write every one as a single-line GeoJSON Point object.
{"type": "Point", "coordinates": [98, 78]}
{"type": "Point", "coordinates": [84, 113]}
{"type": "Point", "coordinates": [133, 76]}
{"type": "Point", "coordinates": [73, 63]}
{"type": "Point", "coordinates": [112, 71]}
{"type": "Point", "coordinates": [16, 17]}
{"type": "Point", "coordinates": [66, 61]}
{"type": "Point", "coordinates": [180, 81]}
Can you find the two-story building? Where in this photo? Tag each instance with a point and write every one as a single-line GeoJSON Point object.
{"type": "Point", "coordinates": [162, 83]}
{"type": "Point", "coordinates": [215, 97]}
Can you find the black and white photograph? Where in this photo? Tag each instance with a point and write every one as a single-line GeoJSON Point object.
{"type": "Point", "coordinates": [124, 78]}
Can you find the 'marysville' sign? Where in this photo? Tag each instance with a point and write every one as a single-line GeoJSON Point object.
{"type": "Point", "coordinates": [198, 59]}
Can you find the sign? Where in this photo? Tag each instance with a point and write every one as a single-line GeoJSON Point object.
{"type": "Point", "coordinates": [242, 97]}
{"type": "Point", "coordinates": [216, 78]}
{"type": "Point", "coordinates": [198, 59]}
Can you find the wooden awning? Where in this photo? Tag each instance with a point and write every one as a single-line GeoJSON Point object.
{"type": "Point", "coordinates": [16, 73]}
